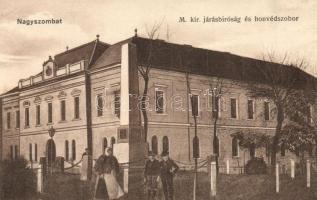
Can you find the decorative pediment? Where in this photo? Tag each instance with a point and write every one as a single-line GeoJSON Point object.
{"type": "Point", "coordinates": [37, 100]}
{"type": "Point", "coordinates": [62, 95]}
{"type": "Point", "coordinates": [26, 103]}
{"type": "Point", "coordinates": [48, 68]}
{"type": "Point", "coordinates": [76, 92]}
{"type": "Point", "coordinates": [49, 98]}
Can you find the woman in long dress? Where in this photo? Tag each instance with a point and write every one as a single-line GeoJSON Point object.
{"type": "Point", "coordinates": [107, 168]}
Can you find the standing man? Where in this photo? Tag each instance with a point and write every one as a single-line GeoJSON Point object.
{"type": "Point", "coordinates": [151, 175]}
{"type": "Point", "coordinates": [168, 170]}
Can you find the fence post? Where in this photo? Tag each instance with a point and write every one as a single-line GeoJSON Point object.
{"type": "Point", "coordinates": [40, 179]}
{"type": "Point", "coordinates": [213, 178]}
{"type": "Point", "coordinates": [125, 179]}
{"type": "Point", "coordinates": [308, 173]}
{"type": "Point", "coordinates": [277, 178]}
{"type": "Point", "coordinates": [228, 167]}
{"type": "Point", "coordinates": [292, 169]}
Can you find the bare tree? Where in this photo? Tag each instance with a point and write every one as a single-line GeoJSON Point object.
{"type": "Point", "coordinates": [217, 90]}
{"type": "Point", "coordinates": [145, 68]}
{"type": "Point", "coordinates": [282, 80]}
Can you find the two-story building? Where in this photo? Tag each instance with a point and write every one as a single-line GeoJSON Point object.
{"type": "Point", "coordinates": [84, 92]}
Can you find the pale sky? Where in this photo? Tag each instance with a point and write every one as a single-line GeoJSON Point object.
{"type": "Point", "coordinates": [24, 48]}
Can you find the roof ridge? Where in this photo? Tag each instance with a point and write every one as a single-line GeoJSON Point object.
{"type": "Point", "coordinates": [75, 48]}
{"type": "Point", "coordinates": [93, 52]}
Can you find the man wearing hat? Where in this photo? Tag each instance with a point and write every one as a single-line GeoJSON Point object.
{"type": "Point", "coordinates": [151, 175]}
{"type": "Point", "coordinates": [168, 169]}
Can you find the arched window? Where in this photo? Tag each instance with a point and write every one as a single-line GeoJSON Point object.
{"type": "Point", "coordinates": [154, 145]}
{"type": "Point", "coordinates": [235, 147]}
{"type": "Point", "coordinates": [35, 152]}
{"type": "Point", "coordinates": [66, 150]}
{"type": "Point", "coordinates": [73, 150]}
{"type": "Point", "coordinates": [196, 147]}
{"type": "Point", "coordinates": [252, 150]}
{"type": "Point", "coordinates": [165, 144]}
{"type": "Point", "coordinates": [283, 149]}
{"type": "Point", "coordinates": [30, 152]}
{"type": "Point", "coordinates": [113, 141]}
{"type": "Point", "coordinates": [104, 144]}
{"type": "Point", "coordinates": [216, 146]}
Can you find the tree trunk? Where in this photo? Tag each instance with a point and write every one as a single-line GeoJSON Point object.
{"type": "Point", "coordinates": [144, 112]}
{"type": "Point", "coordinates": [216, 142]}
{"type": "Point", "coordinates": [276, 138]}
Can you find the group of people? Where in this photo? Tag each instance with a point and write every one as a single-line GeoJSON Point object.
{"type": "Point", "coordinates": [158, 176]}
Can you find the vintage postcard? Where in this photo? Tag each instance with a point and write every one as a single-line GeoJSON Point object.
{"type": "Point", "coordinates": [158, 100]}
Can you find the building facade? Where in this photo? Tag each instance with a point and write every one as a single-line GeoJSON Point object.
{"type": "Point", "coordinates": [84, 91]}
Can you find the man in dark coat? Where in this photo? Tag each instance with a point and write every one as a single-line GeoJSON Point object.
{"type": "Point", "coordinates": [168, 170]}
{"type": "Point", "coordinates": [151, 175]}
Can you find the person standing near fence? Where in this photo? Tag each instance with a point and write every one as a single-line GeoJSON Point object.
{"type": "Point", "coordinates": [107, 169]}
{"type": "Point", "coordinates": [84, 165]}
{"type": "Point", "coordinates": [151, 176]}
{"type": "Point", "coordinates": [168, 170]}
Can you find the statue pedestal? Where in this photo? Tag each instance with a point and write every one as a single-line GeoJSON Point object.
{"type": "Point", "coordinates": [131, 154]}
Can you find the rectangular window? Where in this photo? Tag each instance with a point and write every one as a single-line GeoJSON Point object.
{"type": "Point", "coordinates": [159, 101]}
{"type": "Point", "coordinates": [17, 119]}
{"type": "Point", "coordinates": [38, 114]}
{"type": "Point", "coordinates": [27, 117]}
{"type": "Point", "coordinates": [266, 110]}
{"type": "Point", "coordinates": [50, 113]}
{"type": "Point", "coordinates": [76, 107]}
{"type": "Point", "coordinates": [235, 147]}
{"type": "Point", "coordinates": [195, 105]}
{"type": "Point", "coordinates": [250, 109]}
{"type": "Point", "coordinates": [117, 103]}
{"type": "Point", "coordinates": [63, 110]}
{"type": "Point", "coordinates": [233, 104]}
{"type": "Point", "coordinates": [35, 152]}
{"type": "Point", "coordinates": [214, 104]}
{"type": "Point", "coordinates": [8, 120]}
{"type": "Point", "coordinates": [30, 152]}
{"type": "Point", "coordinates": [99, 105]}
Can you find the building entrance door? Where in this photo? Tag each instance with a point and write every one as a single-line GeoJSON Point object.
{"type": "Point", "coordinates": [51, 151]}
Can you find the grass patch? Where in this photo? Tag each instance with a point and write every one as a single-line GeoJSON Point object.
{"type": "Point", "coordinates": [229, 187]}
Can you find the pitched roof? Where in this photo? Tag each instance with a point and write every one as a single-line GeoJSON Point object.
{"type": "Point", "coordinates": [185, 58]}
{"type": "Point", "coordinates": [112, 55]}
{"type": "Point", "coordinates": [13, 90]}
{"type": "Point", "coordinates": [89, 51]}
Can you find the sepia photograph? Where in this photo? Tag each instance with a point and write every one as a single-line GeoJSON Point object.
{"type": "Point", "coordinates": [158, 100]}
